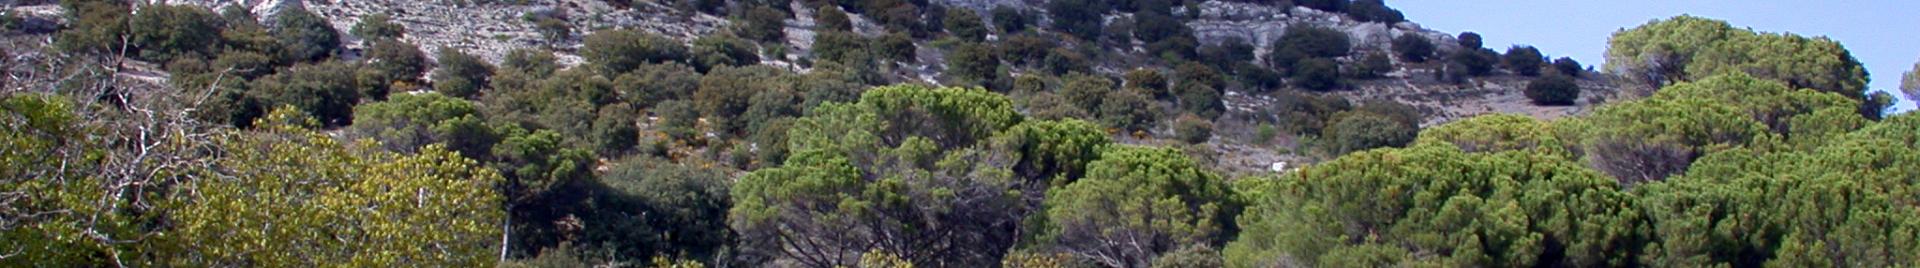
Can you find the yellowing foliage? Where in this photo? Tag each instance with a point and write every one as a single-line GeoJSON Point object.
{"type": "Point", "coordinates": [288, 196]}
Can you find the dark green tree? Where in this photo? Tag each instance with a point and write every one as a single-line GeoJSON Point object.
{"type": "Point", "coordinates": [391, 61]}
{"type": "Point", "coordinates": [656, 208]}
{"type": "Point", "coordinates": [832, 19]}
{"type": "Point", "coordinates": [895, 47]}
{"type": "Point", "coordinates": [566, 102]}
{"type": "Point", "coordinates": [1496, 133]}
{"type": "Point", "coordinates": [1050, 150]}
{"type": "Point", "coordinates": [1468, 209]}
{"type": "Point", "coordinates": [714, 51]}
{"type": "Point", "coordinates": [1524, 60]}
{"type": "Point", "coordinates": [1413, 47]}
{"type": "Point", "coordinates": [245, 64]}
{"type": "Point", "coordinates": [766, 142]}
{"type": "Point", "coordinates": [1154, 21]}
{"type": "Point", "coordinates": [714, 7]}
{"type": "Point", "coordinates": [408, 122]}
{"type": "Point", "coordinates": [1357, 131]}
{"type": "Point", "coordinates": [1633, 141]}
{"type": "Point", "coordinates": [1316, 74]}
{"type": "Point", "coordinates": [901, 170]}
{"type": "Point", "coordinates": [1193, 129]}
{"type": "Point", "coordinates": [904, 16]}
{"type": "Point", "coordinates": [833, 84]}
{"type": "Point", "coordinates": [95, 26]}
{"type": "Point", "coordinates": [965, 25]}
{"type": "Point", "coordinates": [1199, 89]}
{"type": "Point", "coordinates": [841, 47]}
{"type": "Point", "coordinates": [613, 52]}
{"type": "Point", "coordinates": [1374, 11]}
{"type": "Point", "coordinates": [1258, 79]}
{"type": "Point", "coordinates": [1085, 91]}
{"type": "Point", "coordinates": [234, 105]}
{"type": "Point", "coordinates": [1475, 62]}
{"type": "Point", "coordinates": [1406, 115]}
{"type": "Point", "coordinates": [1304, 113]}
{"type": "Point", "coordinates": [1190, 256]}
{"type": "Point", "coordinates": [324, 90]}
{"type": "Point", "coordinates": [726, 93]}
{"type": "Point", "coordinates": [1117, 33]}
{"type": "Point", "coordinates": [460, 75]}
{"type": "Point", "coordinates": [167, 32]}
{"type": "Point", "coordinates": [1030, 83]}
{"type": "Point", "coordinates": [306, 36]}
{"type": "Point", "coordinates": [551, 24]}
{"type": "Point", "coordinates": [763, 23]}
{"type": "Point", "coordinates": [533, 62]}
{"type": "Point", "coordinates": [1010, 20]}
{"type": "Point", "coordinates": [1470, 41]}
{"type": "Point", "coordinates": [1230, 55]}
{"type": "Point", "coordinates": [545, 182]}
{"type": "Point", "coordinates": [1569, 67]}
{"type": "Point", "coordinates": [1062, 60]}
{"type": "Point", "coordinates": [1049, 106]}
{"type": "Point", "coordinates": [1304, 41]}
{"type": "Point", "coordinates": [1148, 80]}
{"type": "Point", "coordinates": [1336, 6]}
{"type": "Point", "coordinates": [615, 130]}
{"type": "Point", "coordinates": [1136, 204]}
{"type": "Point", "coordinates": [678, 119]}
{"type": "Point", "coordinates": [1079, 18]}
{"type": "Point", "coordinates": [1831, 205]}
{"type": "Point", "coordinates": [244, 33]}
{"type": "Point", "coordinates": [768, 106]}
{"type": "Point", "coordinates": [378, 26]}
{"type": "Point", "coordinates": [1553, 89]}
{"type": "Point", "coordinates": [1661, 49]}
{"type": "Point", "coordinates": [1127, 110]}
{"type": "Point", "coordinates": [1179, 48]}
{"type": "Point", "coordinates": [1029, 48]}
{"type": "Point", "coordinates": [1374, 65]}
{"type": "Point", "coordinates": [655, 83]}
{"type": "Point", "coordinates": [1687, 48]}
{"type": "Point", "coordinates": [974, 64]}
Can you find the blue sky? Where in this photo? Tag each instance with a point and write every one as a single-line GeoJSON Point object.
{"type": "Point", "coordinates": [1883, 34]}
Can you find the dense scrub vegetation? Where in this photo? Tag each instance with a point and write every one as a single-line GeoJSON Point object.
{"type": "Point", "coordinates": [1688, 48]}
{"type": "Point", "coordinates": [1648, 182]}
{"type": "Point", "coordinates": [264, 149]}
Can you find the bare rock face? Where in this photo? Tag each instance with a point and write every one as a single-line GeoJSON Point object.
{"type": "Point", "coordinates": [265, 9]}
{"type": "Point", "coordinates": [483, 28]}
{"type": "Point", "coordinates": [984, 7]}
{"type": "Point", "coordinates": [1261, 24]}
{"type": "Point", "coordinates": [489, 30]}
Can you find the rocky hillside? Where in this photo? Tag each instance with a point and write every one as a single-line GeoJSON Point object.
{"type": "Point", "coordinates": [1261, 24]}
{"type": "Point", "coordinates": [489, 29]}
{"type": "Point", "coordinates": [916, 133]}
